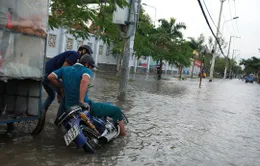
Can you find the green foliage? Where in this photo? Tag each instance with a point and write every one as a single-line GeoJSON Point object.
{"type": "Point", "coordinates": [220, 65]}
{"type": "Point", "coordinates": [142, 43]}
{"type": "Point", "coordinates": [167, 43]}
{"type": "Point", "coordinates": [75, 15]}
{"type": "Point", "coordinates": [252, 65]}
{"type": "Point", "coordinates": [197, 44]}
{"type": "Point", "coordinates": [172, 27]}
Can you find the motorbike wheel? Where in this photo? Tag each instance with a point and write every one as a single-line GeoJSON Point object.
{"type": "Point", "coordinates": [88, 148]}
{"type": "Point", "coordinates": [91, 136]}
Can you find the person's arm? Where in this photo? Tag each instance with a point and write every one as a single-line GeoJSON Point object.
{"type": "Point", "coordinates": [54, 79]}
{"type": "Point", "coordinates": [83, 87]}
{"type": "Point", "coordinates": [71, 59]}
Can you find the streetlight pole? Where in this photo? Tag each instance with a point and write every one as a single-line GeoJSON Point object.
{"type": "Point", "coordinates": [215, 45]}
{"type": "Point", "coordinates": [155, 10]}
{"type": "Point", "coordinates": [231, 64]}
{"type": "Point", "coordinates": [234, 18]}
{"type": "Point", "coordinates": [226, 65]}
{"type": "Point", "coordinates": [128, 46]}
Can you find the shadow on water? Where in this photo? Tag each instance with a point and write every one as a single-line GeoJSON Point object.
{"type": "Point", "coordinates": [172, 122]}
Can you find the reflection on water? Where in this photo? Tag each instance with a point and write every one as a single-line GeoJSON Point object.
{"type": "Point", "coordinates": [171, 123]}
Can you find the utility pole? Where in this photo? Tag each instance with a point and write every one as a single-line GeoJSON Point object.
{"type": "Point", "coordinates": [215, 45]}
{"type": "Point", "coordinates": [226, 65]}
{"type": "Point", "coordinates": [128, 45]}
{"type": "Point", "coordinates": [231, 64]}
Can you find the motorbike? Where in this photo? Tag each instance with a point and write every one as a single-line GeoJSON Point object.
{"type": "Point", "coordinates": [86, 131]}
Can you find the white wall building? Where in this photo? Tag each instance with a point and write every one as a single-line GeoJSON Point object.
{"type": "Point", "coordinates": [59, 41]}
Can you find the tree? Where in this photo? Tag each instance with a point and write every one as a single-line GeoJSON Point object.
{"type": "Point", "coordinates": [197, 44]}
{"type": "Point", "coordinates": [76, 16]}
{"type": "Point", "coordinates": [182, 55]}
{"type": "Point", "coordinates": [252, 65]}
{"type": "Point", "coordinates": [164, 39]}
{"type": "Point", "coordinates": [219, 67]}
{"type": "Point", "coordinates": [142, 43]}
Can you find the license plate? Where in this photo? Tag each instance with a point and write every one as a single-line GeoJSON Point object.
{"type": "Point", "coordinates": [71, 134]}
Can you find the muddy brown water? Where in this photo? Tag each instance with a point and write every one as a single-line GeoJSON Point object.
{"type": "Point", "coordinates": [171, 123]}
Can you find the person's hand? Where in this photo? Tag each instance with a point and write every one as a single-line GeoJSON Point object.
{"type": "Point", "coordinates": [85, 106]}
{"type": "Point", "coordinates": [59, 98]}
{"type": "Point", "coordinates": [61, 95]}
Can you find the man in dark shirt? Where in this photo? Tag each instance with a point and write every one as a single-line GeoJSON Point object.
{"type": "Point", "coordinates": [67, 58]}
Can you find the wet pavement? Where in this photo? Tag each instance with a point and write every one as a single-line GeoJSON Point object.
{"type": "Point", "coordinates": [172, 122]}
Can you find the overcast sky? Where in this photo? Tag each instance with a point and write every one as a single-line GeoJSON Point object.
{"type": "Point", "coordinates": [188, 11]}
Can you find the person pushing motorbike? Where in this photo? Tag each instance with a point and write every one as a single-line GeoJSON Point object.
{"type": "Point", "coordinates": [75, 81]}
{"type": "Point", "coordinates": [66, 58]}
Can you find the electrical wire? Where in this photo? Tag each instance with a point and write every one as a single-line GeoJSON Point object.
{"type": "Point", "coordinates": [209, 13]}
{"type": "Point", "coordinates": [226, 27]}
{"type": "Point", "coordinates": [236, 15]}
{"type": "Point", "coordinates": [231, 15]}
{"type": "Point", "coordinates": [207, 21]}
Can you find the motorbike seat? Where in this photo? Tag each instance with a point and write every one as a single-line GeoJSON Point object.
{"type": "Point", "coordinates": [65, 114]}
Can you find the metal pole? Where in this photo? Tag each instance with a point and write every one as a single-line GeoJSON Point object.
{"type": "Point", "coordinates": [231, 64]}
{"type": "Point", "coordinates": [225, 22]}
{"type": "Point", "coordinates": [226, 66]}
{"type": "Point", "coordinates": [215, 45]}
{"type": "Point", "coordinates": [230, 70]}
{"type": "Point", "coordinates": [127, 47]}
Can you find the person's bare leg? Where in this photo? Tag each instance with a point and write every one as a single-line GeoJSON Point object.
{"type": "Point", "coordinates": [122, 128]}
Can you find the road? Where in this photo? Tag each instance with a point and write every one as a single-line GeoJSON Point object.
{"type": "Point", "coordinates": [172, 122]}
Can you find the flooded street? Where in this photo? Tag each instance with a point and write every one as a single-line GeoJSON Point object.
{"type": "Point", "coordinates": [172, 122]}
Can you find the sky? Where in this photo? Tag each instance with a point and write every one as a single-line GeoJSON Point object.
{"type": "Point", "coordinates": [247, 26]}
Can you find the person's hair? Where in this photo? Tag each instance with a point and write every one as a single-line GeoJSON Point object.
{"type": "Point", "coordinates": [81, 49]}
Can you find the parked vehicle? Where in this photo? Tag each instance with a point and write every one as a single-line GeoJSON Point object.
{"type": "Point", "coordinates": [86, 131]}
{"type": "Point", "coordinates": [249, 78]}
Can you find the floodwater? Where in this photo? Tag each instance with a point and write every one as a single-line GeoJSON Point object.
{"type": "Point", "coordinates": [172, 122]}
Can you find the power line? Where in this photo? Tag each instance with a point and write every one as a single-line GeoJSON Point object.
{"type": "Point", "coordinates": [231, 15]}
{"type": "Point", "coordinates": [209, 13]}
{"type": "Point", "coordinates": [236, 15]}
{"type": "Point", "coordinates": [203, 12]}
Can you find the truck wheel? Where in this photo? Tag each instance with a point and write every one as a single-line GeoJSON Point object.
{"type": "Point", "coordinates": [40, 124]}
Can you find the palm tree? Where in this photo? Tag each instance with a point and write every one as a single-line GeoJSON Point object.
{"type": "Point", "coordinates": [172, 27]}
{"type": "Point", "coordinates": [173, 31]}
{"type": "Point", "coordinates": [197, 44]}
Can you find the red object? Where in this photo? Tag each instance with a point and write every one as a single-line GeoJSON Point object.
{"type": "Point", "coordinates": [143, 64]}
{"type": "Point", "coordinates": [197, 63]}
{"type": "Point", "coordinates": [9, 22]}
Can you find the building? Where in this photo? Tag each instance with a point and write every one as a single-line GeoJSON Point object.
{"type": "Point", "coordinates": [59, 41]}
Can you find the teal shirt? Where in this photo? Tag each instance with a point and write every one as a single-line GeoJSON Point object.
{"type": "Point", "coordinates": [71, 77]}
